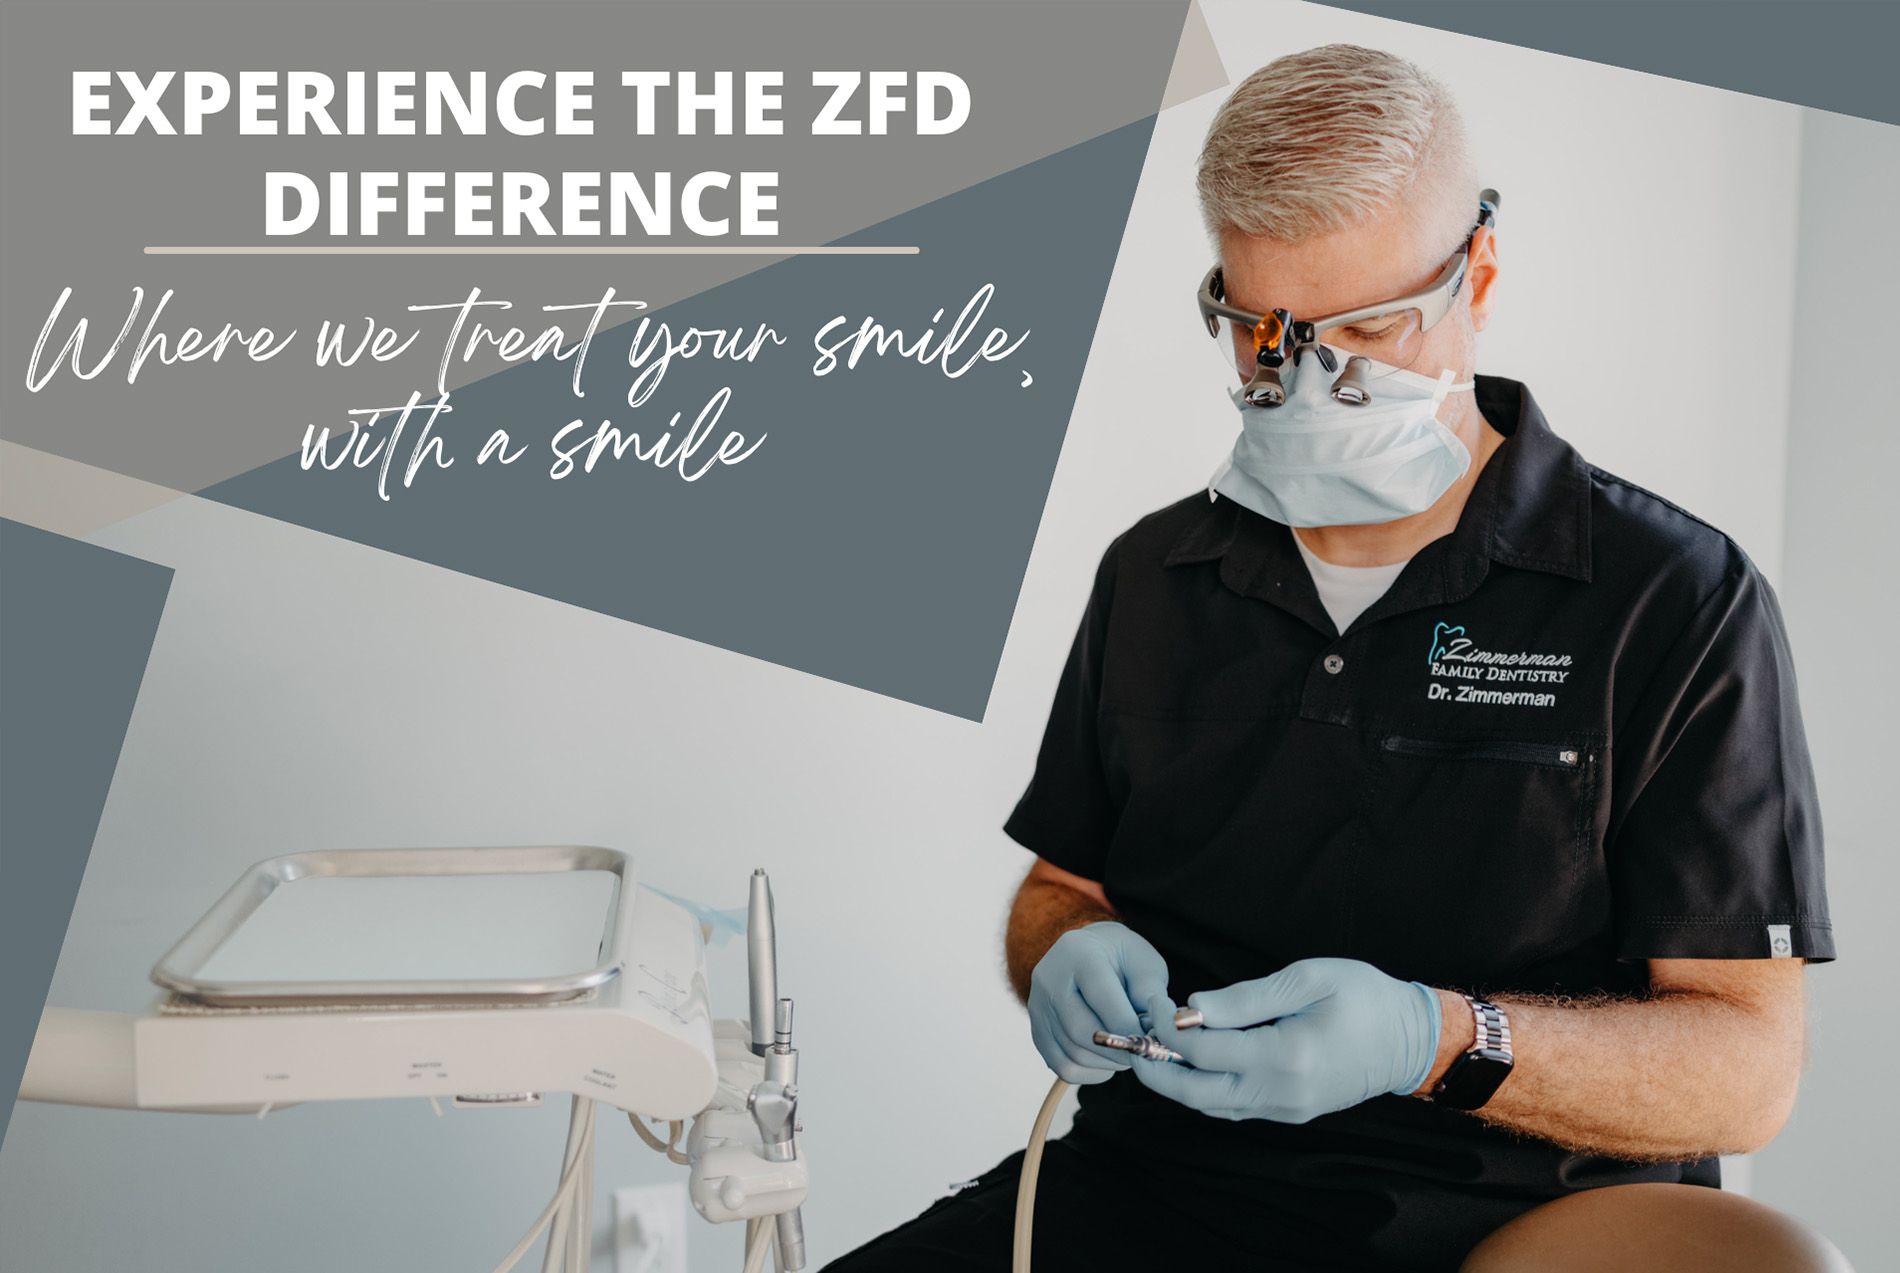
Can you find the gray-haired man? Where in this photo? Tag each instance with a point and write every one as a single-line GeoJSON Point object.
{"type": "Point", "coordinates": [1458, 784]}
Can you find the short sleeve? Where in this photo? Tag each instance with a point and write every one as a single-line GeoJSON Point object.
{"type": "Point", "coordinates": [1719, 853]}
{"type": "Point", "coordinates": [1067, 816]}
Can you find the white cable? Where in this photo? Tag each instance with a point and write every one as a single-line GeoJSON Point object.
{"type": "Point", "coordinates": [560, 1249]}
{"type": "Point", "coordinates": [567, 1222]}
{"type": "Point", "coordinates": [557, 1232]}
{"type": "Point", "coordinates": [547, 1213]}
{"type": "Point", "coordinates": [669, 1147]}
{"type": "Point", "coordinates": [581, 1249]}
{"type": "Point", "coordinates": [1032, 1167]}
{"type": "Point", "coordinates": [571, 1242]}
{"type": "Point", "coordinates": [569, 1177]}
{"type": "Point", "coordinates": [579, 1122]}
{"type": "Point", "coordinates": [761, 1244]}
{"type": "Point", "coordinates": [646, 1133]}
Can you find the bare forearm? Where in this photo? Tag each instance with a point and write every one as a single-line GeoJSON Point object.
{"type": "Point", "coordinates": [1674, 1076]}
{"type": "Point", "coordinates": [1043, 911]}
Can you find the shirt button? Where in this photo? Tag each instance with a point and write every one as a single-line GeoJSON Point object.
{"type": "Point", "coordinates": [1334, 664]}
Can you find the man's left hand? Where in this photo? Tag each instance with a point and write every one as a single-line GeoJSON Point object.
{"type": "Point", "coordinates": [1317, 1036]}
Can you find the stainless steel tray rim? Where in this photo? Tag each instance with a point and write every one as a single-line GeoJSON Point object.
{"type": "Point", "coordinates": [176, 970]}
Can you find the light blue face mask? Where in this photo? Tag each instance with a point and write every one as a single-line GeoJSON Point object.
{"type": "Point", "coordinates": [1316, 461]}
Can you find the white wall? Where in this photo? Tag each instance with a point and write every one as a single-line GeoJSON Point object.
{"type": "Point", "coordinates": [1834, 1163]}
{"type": "Point", "coordinates": [309, 693]}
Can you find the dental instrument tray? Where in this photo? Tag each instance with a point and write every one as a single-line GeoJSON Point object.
{"type": "Point", "coordinates": [449, 926]}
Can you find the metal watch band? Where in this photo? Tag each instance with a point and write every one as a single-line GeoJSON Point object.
{"type": "Point", "coordinates": [1477, 1073]}
{"type": "Point", "coordinates": [1494, 1028]}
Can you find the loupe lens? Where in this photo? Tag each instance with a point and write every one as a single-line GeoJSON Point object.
{"type": "Point", "coordinates": [1354, 386]}
{"type": "Point", "coordinates": [1266, 390]}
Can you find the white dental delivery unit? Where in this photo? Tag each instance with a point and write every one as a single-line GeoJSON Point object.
{"type": "Point", "coordinates": [484, 977]}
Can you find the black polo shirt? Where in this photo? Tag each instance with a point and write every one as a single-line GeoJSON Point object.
{"type": "Point", "coordinates": [1566, 740]}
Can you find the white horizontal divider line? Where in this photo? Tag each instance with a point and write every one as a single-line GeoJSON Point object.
{"type": "Point", "coordinates": [254, 249]}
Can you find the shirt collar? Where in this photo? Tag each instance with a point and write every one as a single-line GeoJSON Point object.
{"type": "Point", "coordinates": [1530, 509]}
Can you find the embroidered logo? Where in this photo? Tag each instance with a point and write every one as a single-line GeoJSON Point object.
{"type": "Point", "coordinates": [1442, 638]}
{"type": "Point", "coordinates": [1476, 673]}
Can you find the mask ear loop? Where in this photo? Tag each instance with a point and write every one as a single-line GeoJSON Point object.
{"type": "Point", "coordinates": [1446, 388]}
{"type": "Point", "coordinates": [1219, 473]}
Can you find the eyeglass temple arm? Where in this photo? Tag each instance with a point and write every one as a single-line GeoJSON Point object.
{"type": "Point", "coordinates": [1307, 332]}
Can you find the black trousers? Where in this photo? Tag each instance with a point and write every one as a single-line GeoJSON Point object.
{"type": "Point", "coordinates": [1099, 1208]}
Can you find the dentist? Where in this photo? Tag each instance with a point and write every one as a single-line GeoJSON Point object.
{"type": "Point", "coordinates": [1459, 785]}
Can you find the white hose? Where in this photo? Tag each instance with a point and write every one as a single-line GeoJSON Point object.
{"type": "Point", "coordinates": [1032, 1167]}
{"type": "Point", "coordinates": [669, 1147]}
{"type": "Point", "coordinates": [570, 1180]}
{"type": "Point", "coordinates": [761, 1243]}
{"type": "Point", "coordinates": [580, 1247]}
{"type": "Point", "coordinates": [580, 1122]}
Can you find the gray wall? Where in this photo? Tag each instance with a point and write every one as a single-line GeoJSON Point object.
{"type": "Point", "coordinates": [1835, 1163]}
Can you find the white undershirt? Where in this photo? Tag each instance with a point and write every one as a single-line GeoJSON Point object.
{"type": "Point", "coordinates": [1347, 591]}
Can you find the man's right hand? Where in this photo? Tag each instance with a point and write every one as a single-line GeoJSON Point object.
{"type": "Point", "coordinates": [1096, 977]}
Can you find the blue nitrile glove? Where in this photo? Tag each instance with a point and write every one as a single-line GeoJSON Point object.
{"type": "Point", "coordinates": [1345, 1032]}
{"type": "Point", "coordinates": [1092, 979]}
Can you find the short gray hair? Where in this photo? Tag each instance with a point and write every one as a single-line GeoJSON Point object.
{"type": "Point", "coordinates": [1315, 142]}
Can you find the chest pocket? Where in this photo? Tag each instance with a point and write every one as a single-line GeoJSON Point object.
{"type": "Point", "coordinates": [1471, 859]}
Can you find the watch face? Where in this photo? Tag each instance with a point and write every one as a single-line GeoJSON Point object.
{"type": "Point", "coordinates": [1473, 1079]}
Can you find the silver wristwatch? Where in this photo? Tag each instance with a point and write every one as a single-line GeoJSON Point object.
{"type": "Point", "coordinates": [1476, 1076]}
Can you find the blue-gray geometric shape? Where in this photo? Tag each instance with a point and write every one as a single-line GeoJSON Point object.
{"type": "Point", "coordinates": [879, 534]}
{"type": "Point", "coordinates": [76, 628]}
{"type": "Point", "coordinates": [1834, 55]}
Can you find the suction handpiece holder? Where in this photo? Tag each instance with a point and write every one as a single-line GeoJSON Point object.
{"type": "Point", "coordinates": [773, 1103]}
{"type": "Point", "coordinates": [774, 1107]}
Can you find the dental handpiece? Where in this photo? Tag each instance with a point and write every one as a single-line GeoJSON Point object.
{"type": "Point", "coordinates": [761, 941]}
{"type": "Point", "coordinates": [1142, 1045]}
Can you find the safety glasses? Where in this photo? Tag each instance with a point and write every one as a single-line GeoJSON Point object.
{"type": "Point", "coordinates": [1390, 332]}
